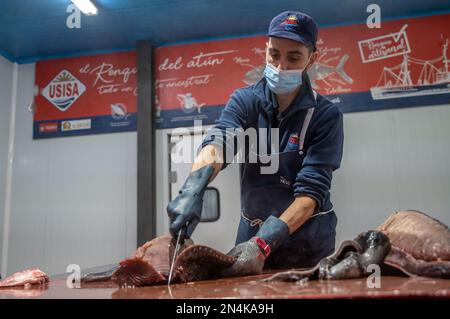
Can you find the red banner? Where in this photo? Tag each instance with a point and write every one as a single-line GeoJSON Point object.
{"type": "Point", "coordinates": [404, 63]}
{"type": "Point", "coordinates": [86, 95]}
{"type": "Point", "coordinates": [206, 73]}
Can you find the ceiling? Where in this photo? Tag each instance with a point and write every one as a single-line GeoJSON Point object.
{"type": "Point", "coordinates": [32, 30]}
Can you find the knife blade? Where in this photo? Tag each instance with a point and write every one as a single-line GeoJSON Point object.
{"type": "Point", "coordinates": [180, 241]}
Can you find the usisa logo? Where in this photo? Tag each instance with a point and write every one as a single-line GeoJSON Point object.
{"type": "Point", "coordinates": [63, 90]}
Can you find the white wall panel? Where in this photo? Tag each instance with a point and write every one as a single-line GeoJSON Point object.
{"type": "Point", "coordinates": [393, 160]}
{"type": "Point", "coordinates": [74, 198]}
{"type": "Point", "coordinates": [162, 181]}
{"type": "Point", "coordinates": [6, 69]}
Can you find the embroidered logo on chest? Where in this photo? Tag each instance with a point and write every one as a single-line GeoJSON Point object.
{"type": "Point", "coordinates": [293, 142]}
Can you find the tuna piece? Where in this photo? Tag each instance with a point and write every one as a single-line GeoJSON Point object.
{"type": "Point", "coordinates": [420, 244]}
{"type": "Point", "coordinates": [150, 265]}
{"type": "Point", "coordinates": [25, 278]}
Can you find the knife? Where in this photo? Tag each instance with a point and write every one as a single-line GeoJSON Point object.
{"type": "Point", "coordinates": [180, 241]}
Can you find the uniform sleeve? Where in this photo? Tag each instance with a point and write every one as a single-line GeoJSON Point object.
{"type": "Point", "coordinates": [231, 123]}
{"type": "Point", "coordinates": [323, 156]}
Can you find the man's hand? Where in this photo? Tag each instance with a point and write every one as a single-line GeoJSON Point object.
{"type": "Point", "coordinates": [250, 259]}
{"type": "Point", "coordinates": [252, 254]}
{"type": "Point", "coordinates": [186, 208]}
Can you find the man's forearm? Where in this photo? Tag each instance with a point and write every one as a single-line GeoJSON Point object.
{"type": "Point", "coordinates": [209, 155]}
{"type": "Point", "coordinates": [298, 212]}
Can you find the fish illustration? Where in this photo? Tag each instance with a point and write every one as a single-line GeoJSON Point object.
{"type": "Point", "coordinates": [254, 75]}
{"type": "Point", "coordinates": [189, 103]}
{"type": "Point", "coordinates": [318, 72]}
{"type": "Point", "coordinates": [119, 111]}
{"type": "Point", "coordinates": [321, 71]}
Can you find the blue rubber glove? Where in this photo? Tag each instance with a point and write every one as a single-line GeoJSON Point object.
{"type": "Point", "coordinates": [186, 209]}
{"type": "Point", "coordinates": [252, 254]}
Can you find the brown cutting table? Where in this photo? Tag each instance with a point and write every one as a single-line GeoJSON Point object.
{"type": "Point", "coordinates": [246, 287]}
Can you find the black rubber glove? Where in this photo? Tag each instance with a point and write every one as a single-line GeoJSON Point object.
{"type": "Point", "coordinates": [252, 254]}
{"type": "Point", "coordinates": [186, 209]}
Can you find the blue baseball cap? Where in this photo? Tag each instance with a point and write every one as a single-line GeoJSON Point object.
{"type": "Point", "coordinates": [296, 26]}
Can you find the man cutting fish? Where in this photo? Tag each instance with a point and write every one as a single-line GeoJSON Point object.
{"type": "Point", "coordinates": [287, 217]}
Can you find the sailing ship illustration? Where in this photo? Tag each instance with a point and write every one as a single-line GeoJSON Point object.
{"type": "Point", "coordinates": [396, 82]}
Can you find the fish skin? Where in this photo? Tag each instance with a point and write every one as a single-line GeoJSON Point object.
{"type": "Point", "coordinates": [99, 276]}
{"type": "Point", "coordinates": [418, 234]}
{"type": "Point", "coordinates": [420, 244]}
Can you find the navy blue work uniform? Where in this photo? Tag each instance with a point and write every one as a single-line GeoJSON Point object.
{"type": "Point", "coordinates": [310, 148]}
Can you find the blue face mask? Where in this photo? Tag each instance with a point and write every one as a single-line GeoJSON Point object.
{"type": "Point", "coordinates": [282, 81]}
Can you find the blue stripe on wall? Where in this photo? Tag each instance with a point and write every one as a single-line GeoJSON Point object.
{"type": "Point", "coordinates": [99, 125]}
{"type": "Point", "coordinates": [348, 103]}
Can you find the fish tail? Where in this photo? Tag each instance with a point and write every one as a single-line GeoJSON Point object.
{"type": "Point", "coordinates": [340, 69]}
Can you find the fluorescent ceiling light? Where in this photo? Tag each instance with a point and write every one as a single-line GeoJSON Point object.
{"type": "Point", "coordinates": [86, 6]}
